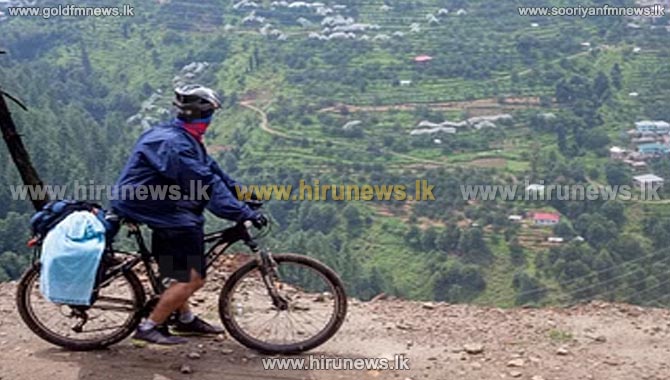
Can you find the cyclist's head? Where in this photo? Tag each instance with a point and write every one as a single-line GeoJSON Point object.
{"type": "Point", "coordinates": [195, 102]}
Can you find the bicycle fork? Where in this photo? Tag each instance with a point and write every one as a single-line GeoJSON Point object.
{"type": "Point", "coordinates": [268, 269]}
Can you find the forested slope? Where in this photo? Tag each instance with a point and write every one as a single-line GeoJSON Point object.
{"type": "Point", "coordinates": [93, 84]}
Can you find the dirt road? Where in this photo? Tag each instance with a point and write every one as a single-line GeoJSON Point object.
{"type": "Point", "coordinates": [595, 341]}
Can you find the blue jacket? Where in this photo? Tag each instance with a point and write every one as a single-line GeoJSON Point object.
{"type": "Point", "coordinates": [168, 159]}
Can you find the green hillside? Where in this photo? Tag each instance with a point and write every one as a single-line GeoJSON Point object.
{"type": "Point", "coordinates": [343, 92]}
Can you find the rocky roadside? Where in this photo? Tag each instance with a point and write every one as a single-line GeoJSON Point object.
{"type": "Point", "coordinates": [442, 341]}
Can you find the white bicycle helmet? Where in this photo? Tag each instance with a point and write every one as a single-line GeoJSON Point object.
{"type": "Point", "coordinates": [195, 101]}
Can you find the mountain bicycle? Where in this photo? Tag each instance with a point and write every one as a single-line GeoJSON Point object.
{"type": "Point", "coordinates": [279, 304]}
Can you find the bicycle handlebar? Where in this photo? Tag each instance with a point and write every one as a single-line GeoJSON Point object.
{"type": "Point", "coordinates": [254, 204]}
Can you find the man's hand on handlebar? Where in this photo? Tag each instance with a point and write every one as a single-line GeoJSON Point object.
{"type": "Point", "coordinates": [259, 221]}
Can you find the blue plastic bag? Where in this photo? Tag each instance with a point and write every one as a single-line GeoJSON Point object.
{"type": "Point", "coordinates": [70, 258]}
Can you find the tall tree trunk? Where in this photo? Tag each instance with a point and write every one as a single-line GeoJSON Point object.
{"type": "Point", "coordinates": [18, 151]}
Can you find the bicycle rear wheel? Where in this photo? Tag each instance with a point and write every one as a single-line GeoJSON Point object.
{"type": "Point", "coordinates": [317, 305]}
{"type": "Point", "coordinates": [113, 316]}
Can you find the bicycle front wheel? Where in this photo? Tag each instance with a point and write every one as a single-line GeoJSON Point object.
{"type": "Point", "coordinates": [317, 305]}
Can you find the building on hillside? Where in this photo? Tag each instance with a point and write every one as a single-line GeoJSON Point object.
{"type": "Point", "coordinates": [405, 82]}
{"type": "Point", "coordinates": [430, 131]}
{"type": "Point", "coordinates": [653, 148]}
{"type": "Point", "coordinates": [656, 126]}
{"type": "Point", "coordinates": [644, 140]}
{"type": "Point", "coordinates": [423, 58]}
{"type": "Point", "coordinates": [535, 188]}
{"type": "Point", "coordinates": [555, 240]}
{"type": "Point", "coordinates": [648, 181]}
{"type": "Point", "coordinates": [546, 218]}
{"type": "Point", "coordinates": [432, 19]}
{"type": "Point", "coordinates": [515, 218]}
{"type": "Point", "coordinates": [636, 156]}
{"type": "Point", "coordinates": [636, 165]}
{"type": "Point", "coordinates": [617, 153]}
{"type": "Point", "coordinates": [632, 132]}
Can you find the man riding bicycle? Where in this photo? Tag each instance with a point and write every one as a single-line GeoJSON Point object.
{"type": "Point", "coordinates": [173, 155]}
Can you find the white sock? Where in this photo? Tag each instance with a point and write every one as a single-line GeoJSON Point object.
{"type": "Point", "coordinates": [147, 325]}
{"type": "Point", "coordinates": [186, 317]}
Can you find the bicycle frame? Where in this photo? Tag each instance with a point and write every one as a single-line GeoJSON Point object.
{"type": "Point", "coordinates": [222, 240]}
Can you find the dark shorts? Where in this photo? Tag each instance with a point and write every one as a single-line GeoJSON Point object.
{"type": "Point", "coordinates": [178, 250]}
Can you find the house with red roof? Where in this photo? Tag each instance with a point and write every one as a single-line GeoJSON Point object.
{"type": "Point", "coordinates": [546, 218]}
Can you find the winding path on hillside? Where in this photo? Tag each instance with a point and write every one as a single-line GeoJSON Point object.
{"type": "Point", "coordinates": [265, 126]}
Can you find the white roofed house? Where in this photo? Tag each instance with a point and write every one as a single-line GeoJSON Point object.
{"type": "Point", "coordinates": [484, 124]}
{"type": "Point", "coordinates": [432, 19]}
{"type": "Point", "coordinates": [636, 165]}
{"type": "Point", "coordinates": [430, 131]}
{"type": "Point", "coordinates": [648, 181]}
{"type": "Point", "coordinates": [535, 188]}
{"type": "Point", "coordinates": [617, 153]}
{"type": "Point", "coordinates": [656, 126]}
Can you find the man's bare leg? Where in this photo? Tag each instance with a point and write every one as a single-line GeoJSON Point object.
{"type": "Point", "coordinates": [176, 297]}
{"type": "Point", "coordinates": [185, 308]}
